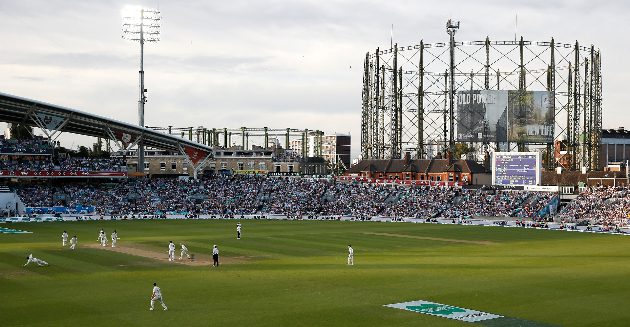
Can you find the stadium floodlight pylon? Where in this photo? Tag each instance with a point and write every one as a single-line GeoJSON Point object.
{"type": "Point", "coordinates": [141, 25]}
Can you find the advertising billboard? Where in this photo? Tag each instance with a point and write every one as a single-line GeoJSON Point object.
{"type": "Point", "coordinates": [481, 115]}
{"type": "Point", "coordinates": [530, 116]}
{"type": "Point", "coordinates": [516, 168]}
{"type": "Point", "coordinates": [502, 116]}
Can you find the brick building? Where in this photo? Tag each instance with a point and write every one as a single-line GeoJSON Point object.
{"type": "Point", "coordinates": [436, 170]}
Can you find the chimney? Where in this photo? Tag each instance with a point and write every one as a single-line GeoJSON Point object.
{"type": "Point", "coordinates": [449, 156]}
{"type": "Point", "coordinates": [407, 158]}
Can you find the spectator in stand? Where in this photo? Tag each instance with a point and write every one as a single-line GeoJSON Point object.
{"type": "Point", "coordinates": [291, 197]}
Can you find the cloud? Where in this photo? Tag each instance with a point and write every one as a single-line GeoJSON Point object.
{"type": "Point", "coordinates": [280, 63]}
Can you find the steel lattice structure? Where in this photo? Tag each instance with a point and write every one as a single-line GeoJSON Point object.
{"type": "Point", "coordinates": [407, 90]}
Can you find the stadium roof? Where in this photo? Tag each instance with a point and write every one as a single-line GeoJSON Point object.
{"type": "Point", "coordinates": [15, 109]}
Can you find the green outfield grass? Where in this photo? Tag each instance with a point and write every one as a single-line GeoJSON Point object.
{"type": "Point", "coordinates": [294, 273]}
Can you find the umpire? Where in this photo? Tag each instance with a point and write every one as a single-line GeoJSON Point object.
{"type": "Point", "coordinates": [215, 256]}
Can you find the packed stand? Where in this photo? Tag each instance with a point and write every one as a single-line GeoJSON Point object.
{"type": "Point", "coordinates": [291, 197]}
{"type": "Point", "coordinates": [608, 207]}
{"type": "Point", "coordinates": [35, 146]}
{"type": "Point", "coordinates": [68, 164]}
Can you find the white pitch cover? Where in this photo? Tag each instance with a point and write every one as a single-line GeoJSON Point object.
{"type": "Point", "coordinates": [444, 311]}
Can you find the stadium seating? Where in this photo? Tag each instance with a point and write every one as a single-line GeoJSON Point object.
{"type": "Point", "coordinates": [291, 197]}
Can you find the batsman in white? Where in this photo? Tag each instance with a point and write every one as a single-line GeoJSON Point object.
{"type": "Point", "coordinates": [184, 252]}
{"type": "Point", "coordinates": [114, 238]}
{"type": "Point", "coordinates": [64, 238]}
{"type": "Point", "coordinates": [350, 255]}
{"type": "Point", "coordinates": [32, 259]}
{"type": "Point", "coordinates": [171, 251]}
{"type": "Point", "coordinates": [157, 296]}
{"type": "Point", "coordinates": [73, 242]}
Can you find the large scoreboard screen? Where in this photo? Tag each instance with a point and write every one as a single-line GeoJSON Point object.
{"type": "Point", "coordinates": [516, 168]}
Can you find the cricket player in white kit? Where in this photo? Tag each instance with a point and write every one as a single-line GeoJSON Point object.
{"type": "Point", "coordinates": [350, 255]}
{"type": "Point", "coordinates": [171, 251]}
{"type": "Point", "coordinates": [157, 296]}
{"type": "Point", "coordinates": [32, 259]}
{"type": "Point", "coordinates": [104, 239]}
{"type": "Point", "coordinates": [114, 238]}
{"type": "Point", "coordinates": [73, 242]}
{"type": "Point", "coordinates": [64, 238]}
{"type": "Point", "coordinates": [184, 252]}
{"type": "Point", "coordinates": [238, 231]}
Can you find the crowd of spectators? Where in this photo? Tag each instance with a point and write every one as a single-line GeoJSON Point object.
{"type": "Point", "coordinates": [291, 197]}
{"type": "Point", "coordinates": [36, 146]}
{"type": "Point", "coordinates": [67, 164]}
{"type": "Point", "coordinates": [608, 207]}
{"type": "Point", "coordinates": [36, 154]}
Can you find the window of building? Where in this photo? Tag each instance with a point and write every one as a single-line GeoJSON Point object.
{"type": "Point", "coordinates": [223, 165]}
{"type": "Point", "coordinates": [174, 165]}
{"type": "Point", "coordinates": [277, 168]}
{"type": "Point", "coordinates": [262, 166]}
{"type": "Point", "coordinates": [162, 166]}
{"type": "Point", "coordinates": [240, 166]}
{"type": "Point", "coordinates": [250, 165]}
{"type": "Point", "coordinates": [438, 178]}
{"type": "Point", "coordinates": [290, 168]}
{"type": "Point", "coordinates": [146, 166]}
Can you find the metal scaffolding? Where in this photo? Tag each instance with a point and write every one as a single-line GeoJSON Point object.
{"type": "Point", "coordinates": [408, 90]}
{"type": "Point", "coordinates": [244, 137]}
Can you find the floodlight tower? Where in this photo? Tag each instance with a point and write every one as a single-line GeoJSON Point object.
{"type": "Point", "coordinates": [451, 29]}
{"type": "Point", "coordinates": [142, 25]}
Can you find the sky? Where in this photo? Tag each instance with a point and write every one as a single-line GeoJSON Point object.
{"type": "Point", "coordinates": [274, 63]}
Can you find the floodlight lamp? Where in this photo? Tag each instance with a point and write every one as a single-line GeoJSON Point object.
{"type": "Point", "coordinates": [141, 24]}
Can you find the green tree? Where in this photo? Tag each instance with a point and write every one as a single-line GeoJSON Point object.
{"type": "Point", "coordinates": [84, 152]}
{"type": "Point", "coordinates": [461, 149]}
{"type": "Point", "coordinates": [21, 132]}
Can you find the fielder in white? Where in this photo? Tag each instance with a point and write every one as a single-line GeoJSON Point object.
{"type": "Point", "coordinates": [184, 252]}
{"type": "Point", "coordinates": [114, 238]}
{"type": "Point", "coordinates": [104, 239]}
{"type": "Point", "coordinates": [157, 296]}
{"type": "Point", "coordinates": [64, 238]}
{"type": "Point", "coordinates": [350, 255]}
{"type": "Point", "coordinates": [171, 251]}
{"type": "Point", "coordinates": [238, 231]}
{"type": "Point", "coordinates": [32, 259]}
{"type": "Point", "coordinates": [73, 242]}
